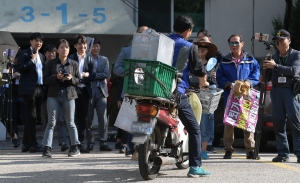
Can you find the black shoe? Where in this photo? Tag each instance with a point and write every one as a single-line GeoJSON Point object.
{"type": "Point", "coordinates": [36, 148]}
{"type": "Point", "coordinates": [119, 145]}
{"type": "Point", "coordinates": [251, 155]}
{"type": "Point", "coordinates": [123, 150]}
{"type": "Point", "coordinates": [280, 158]}
{"type": "Point", "coordinates": [210, 148]}
{"type": "Point", "coordinates": [64, 147]}
{"type": "Point", "coordinates": [73, 152]}
{"type": "Point", "coordinates": [105, 148]}
{"type": "Point", "coordinates": [298, 159]}
{"type": "Point", "coordinates": [16, 143]}
{"type": "Point", "coordinates": [227, 155]}
{"type": "Point", "coordinates": [90, 147]}
{"type": "Point", "coordinates": [83, 149]}
{"type": "Point", "coordinates": [128, 152]}
{"type": "Point", "coordinates": [47, 152]}
{"type": "Point", "coordinates": [25, 148]}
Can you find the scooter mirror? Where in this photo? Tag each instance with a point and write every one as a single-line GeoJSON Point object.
{"type": "Point", "coordinates": [211, 63]}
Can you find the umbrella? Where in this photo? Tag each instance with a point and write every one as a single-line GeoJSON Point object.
{"type": "Point", "coordinates": [7, 42]}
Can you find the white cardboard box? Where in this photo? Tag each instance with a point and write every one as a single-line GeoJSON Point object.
{"type": "Point", "coordinates": [126, 116]}
{"type": "Point", "coordinates": [152, 46]}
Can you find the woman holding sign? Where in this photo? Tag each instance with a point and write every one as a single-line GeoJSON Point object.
{"type": "Point", "coordinates": [237, 65]}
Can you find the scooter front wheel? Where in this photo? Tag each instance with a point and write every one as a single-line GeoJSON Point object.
{"type": "Point", "coordinates": [147, 168]}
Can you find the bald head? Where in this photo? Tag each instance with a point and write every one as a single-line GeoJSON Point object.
{"type": "Point", "coordinates": [141, 29]}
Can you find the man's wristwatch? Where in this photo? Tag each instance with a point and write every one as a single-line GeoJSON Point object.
{"type": "Point", "coordinates": [276, 67]}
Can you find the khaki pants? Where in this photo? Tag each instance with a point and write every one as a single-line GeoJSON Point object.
{"type": "Point", "coordinates": [229, 138]}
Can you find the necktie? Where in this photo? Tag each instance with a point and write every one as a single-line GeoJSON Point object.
{"type": "Point", "coordinates": [39, 70]}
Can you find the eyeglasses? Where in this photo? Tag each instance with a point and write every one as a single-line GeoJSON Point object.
{"type": "Point", "coordinates": [203, 47]}
{"type": "Point", "coordinates": [236, 43]}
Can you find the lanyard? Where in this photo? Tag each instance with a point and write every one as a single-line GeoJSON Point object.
{"type": "Point", "coordinates": [283, 61]}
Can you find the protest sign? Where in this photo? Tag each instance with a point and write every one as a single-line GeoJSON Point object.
{"type": "Point", "coordinates": [242, 111]}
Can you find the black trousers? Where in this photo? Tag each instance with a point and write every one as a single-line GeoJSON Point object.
{"type": "Point", "coordinates": [29, 137]}
{"type": "Point", "coordinates": [82, 103]}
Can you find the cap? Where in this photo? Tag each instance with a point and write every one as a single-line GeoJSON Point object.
{"type": "Point", "coordinates": [282, 34]}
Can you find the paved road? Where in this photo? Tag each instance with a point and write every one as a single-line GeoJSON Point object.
{"type": "Point", "coordinates": [114, 167]}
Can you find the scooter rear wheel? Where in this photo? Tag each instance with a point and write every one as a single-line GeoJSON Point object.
{"type": "Point", "coordinates": [147, 168]}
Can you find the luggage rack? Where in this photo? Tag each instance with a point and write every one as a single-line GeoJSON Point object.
{"type": "Point", "coordinates": [163, 101]}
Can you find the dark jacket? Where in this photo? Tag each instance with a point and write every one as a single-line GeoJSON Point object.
{"type": "Point", "coordinates": [87, 67]}
{"type": "Point", "coordinates": [289, 70]}
{"type": "Point", "coordinates": [53, 67]}
{"type": "Point", "coordinates": [27, 69]}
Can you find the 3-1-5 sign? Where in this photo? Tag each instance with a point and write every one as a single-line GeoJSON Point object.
{"type": "Point", "coordinates": [98, 14]}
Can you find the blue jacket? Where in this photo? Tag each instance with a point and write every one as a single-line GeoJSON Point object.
{"type": "Point", "coordinates": [192, 61]}
{"type": "Point", "coordinates": [248, 69]}
{"type": "Point", "coordinates": [119, 65]}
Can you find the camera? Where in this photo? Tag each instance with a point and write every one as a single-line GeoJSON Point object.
{"type": "Point", "coordinates": [65, 74]}
{"type": "Point", "coordinates": [261, 37]}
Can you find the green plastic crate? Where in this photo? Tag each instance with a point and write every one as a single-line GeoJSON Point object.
{"type": "Point", "coordinates": [145, 78]}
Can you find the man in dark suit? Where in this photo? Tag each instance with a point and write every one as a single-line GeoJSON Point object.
{"type": "Point", "coordinates": [100, 93]}
{"type": "Point", "coordinates": [87, 74]}
{"type": "Point", "coordinates": [31, 64]}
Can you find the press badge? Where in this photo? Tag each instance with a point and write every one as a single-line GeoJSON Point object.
{"type": "Point", "coordinates": [281, 79]}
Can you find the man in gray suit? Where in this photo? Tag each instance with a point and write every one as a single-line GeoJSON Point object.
{"type": "Point", "coordinates": [98, 100]}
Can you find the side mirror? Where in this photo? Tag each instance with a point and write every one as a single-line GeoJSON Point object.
{"type": "Point", "coordinates": [211, 63]}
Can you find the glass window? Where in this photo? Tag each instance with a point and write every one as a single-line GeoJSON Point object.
{"type": "Point", "coordinates": [155, 14]}
{"type": "Point", "coordinates": [192, 8]}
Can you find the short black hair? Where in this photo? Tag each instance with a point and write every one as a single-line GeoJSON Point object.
{"type": "Point", "coordinates": [80, 37]}
{"type": "Point", "coordinates": [36, 35]}
{"type": "Point", "coordinates": [234, 35]}
{"type": "Point", "coordinates": [62, 41]}
{"type": "Point", "coordinates": [97, 41]}
{"type": "Point", "coordinates": [204, 32]}
{"type": "Point", "coordinates": [183, 23]}
{"type": "Point", "coordinates": [49, 48]}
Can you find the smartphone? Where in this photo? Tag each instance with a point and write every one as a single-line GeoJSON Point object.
{"type": "Point", "coordinates": [261, 37]}
{"type": "Point", "coordinates": [34, 51]}
{"type": "Point", "coordinates": [66, 74]}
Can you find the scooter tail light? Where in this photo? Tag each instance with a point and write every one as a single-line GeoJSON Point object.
{"type": "Point", "coordinates": [269, 124]}
{"type": "Point", "coordinates": [146, 109]}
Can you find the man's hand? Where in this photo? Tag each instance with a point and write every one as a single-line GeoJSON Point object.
{"type": "Point", "coordinates": [33, 56]}
{"type": "Point", "coordinates": [16, 75]}
{"type": "Point", "coordinates": [269, 64]}
{"type": "Point", "coordinates": [119, 104]}
{"type": "Point", "coordinates": [248, 84]}
{"type": "Point", "coordinates": [214, 75]}
{"type": "Point", "coordinates": [85, 74]}
{"type": "Point", "coordinates": [203, 82]}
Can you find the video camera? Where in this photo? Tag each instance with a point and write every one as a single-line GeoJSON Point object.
{"type": "Point", "coordinates": [264, 38]}
{"type": "Point", "coordinates": [8, 61]}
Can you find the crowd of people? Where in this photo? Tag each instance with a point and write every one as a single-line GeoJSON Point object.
{"type": "Point", "coordinates": [68, 87]}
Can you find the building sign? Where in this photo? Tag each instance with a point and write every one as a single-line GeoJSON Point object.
{"type": "Point", "coordinates": [65, 16]}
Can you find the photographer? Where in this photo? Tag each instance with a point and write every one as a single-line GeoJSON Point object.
{"type": "Point", "coordinates": [285, 65]}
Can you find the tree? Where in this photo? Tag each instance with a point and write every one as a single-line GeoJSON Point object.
{"type": "Point", "coordinates": [288, 14]}
{"type": "Point", "coordinates": [295, 26]}
{"type": "Point", "coordinates": [290, 23]}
